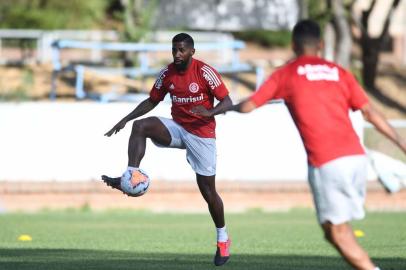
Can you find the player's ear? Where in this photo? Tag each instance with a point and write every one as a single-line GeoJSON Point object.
{"type": "Point", "coordinates": [295, 48]}
{"type": "Point", "coordinates": [192, 51]}
{"type": "Point", "coordinates": [320, 46]}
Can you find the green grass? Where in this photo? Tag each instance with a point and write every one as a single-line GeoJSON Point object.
{"type": "Point", "coordinates": [141, 240]}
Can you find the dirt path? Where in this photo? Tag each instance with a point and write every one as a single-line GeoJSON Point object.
{"type": "Point", "coordinates": [176, 197]}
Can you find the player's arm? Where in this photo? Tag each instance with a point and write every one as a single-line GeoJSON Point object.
{"type": "Point", "coordinates": [374, 117]}
{"type": "Point", "coordinates": [267, 91]}
{"type": "Point", "coordinates": [245, 106]}
{"type": "Point", "coordinates": [358, 100]}
{"type": "Point", "coordinates": [259, 98]}
{"type": "Point", "coordinates": [216, 86]}
{"type": "Point", "coordinates": [142, 108]}
{"type": "Point", "coordinates": [221, 107]}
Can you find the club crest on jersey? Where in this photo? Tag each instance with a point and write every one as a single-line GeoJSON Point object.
{"type": "Point", "coordinates": [193, 87]}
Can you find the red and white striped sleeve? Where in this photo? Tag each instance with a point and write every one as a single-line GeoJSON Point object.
{"type": "Point", "coordinates": [214, 82]}
{"type": "Point", "coordinates": [158, 90]}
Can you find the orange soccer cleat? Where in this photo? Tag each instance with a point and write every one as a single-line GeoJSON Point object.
{"type": "Point", "coordinates": [222, 252]}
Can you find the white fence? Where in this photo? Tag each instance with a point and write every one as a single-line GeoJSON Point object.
{"type": "Point", "coordinates": [42, 141]}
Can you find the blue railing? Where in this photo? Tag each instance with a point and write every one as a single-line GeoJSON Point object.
{"type": "Point", "coordinates": [143, 68]}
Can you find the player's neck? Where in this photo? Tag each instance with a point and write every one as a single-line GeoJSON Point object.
{"type": "Point", "coordinates": [308, 54]}
{"type": "Point", "coordinates": [183, 69]}
{"type": "Point", "coordinates": [308, 51]}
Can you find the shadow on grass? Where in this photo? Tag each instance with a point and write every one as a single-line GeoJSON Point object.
{"type": "Point", "coordinates": [63, 259]}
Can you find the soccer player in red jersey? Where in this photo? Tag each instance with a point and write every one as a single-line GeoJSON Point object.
{"type": "Point", "coordinates": [189, 82]}
{"type": "Point", "coordinates": [319, 95]}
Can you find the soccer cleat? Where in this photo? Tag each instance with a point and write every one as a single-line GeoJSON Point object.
{"type": "Point", "coordinates": [113, 182]}
{"type": "Point", "coordinates": [222, 253]}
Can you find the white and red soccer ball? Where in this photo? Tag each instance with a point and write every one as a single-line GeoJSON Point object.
{"type": "Point", "coordinates": [135, 182]}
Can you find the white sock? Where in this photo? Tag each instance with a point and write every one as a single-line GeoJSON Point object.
{"type": "Point", "coordinates": [130, 168]}
{"type": "Point", "coordinates": [222, 235]}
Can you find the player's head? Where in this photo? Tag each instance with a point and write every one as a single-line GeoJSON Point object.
{"type": "Point", "coordinates": [306, 37]}
{"type": "Point", "coordinates": [182, 50]}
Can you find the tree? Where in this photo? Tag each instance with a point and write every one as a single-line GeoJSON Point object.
{"type": "Point", "coordinates": [371, 46]}
{"type": "Point", "coordinates": [343, 33]}
{"type": "Point", "coordinates": [52, 14]}
{"type": "Point", "coordinates": [137, 20]}
{"type": "Point", "coordinates": [334, 17]}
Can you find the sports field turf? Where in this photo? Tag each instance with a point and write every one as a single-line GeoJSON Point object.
{"type": "Point", "coordinates": [141, 240]}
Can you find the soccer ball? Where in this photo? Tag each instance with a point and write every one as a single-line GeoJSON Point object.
{"type": "Point", "coordinates": [135, 182]}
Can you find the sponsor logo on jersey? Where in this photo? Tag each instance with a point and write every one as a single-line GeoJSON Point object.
{"type": "Point", "coordinates": [160, 79]}
{"type": "Point", "coordinates": [318, 72]}
{"type": "Point", "coordinates": [189, 99]}
{"type": "Point", "coordinates": [211, 77]}
{"type": "Point", "coordinates": [193, 87]}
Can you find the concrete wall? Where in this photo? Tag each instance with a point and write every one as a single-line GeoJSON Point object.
{"type": "Point", "coordinates": [64, 141]}
{"type": "Point", "coordinates": [226, 15]}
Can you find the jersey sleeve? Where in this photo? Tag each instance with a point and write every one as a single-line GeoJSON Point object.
{"type": "Point", "coordinates": [357, 97]}
{"type": "Point", "coordinates": [214, 82]}
{"type": "Point", "coordinates": [267, 91]}
{"type": "Point", "coordinates": [158, 91]}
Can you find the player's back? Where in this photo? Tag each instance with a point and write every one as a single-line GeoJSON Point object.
{"type": "Point", "coordinates": [319, 95]}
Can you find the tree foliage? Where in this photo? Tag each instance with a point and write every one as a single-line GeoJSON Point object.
{"type": "Point", "coordinates": [320, 12]}
{"type": "Point", "coordinates": [137, 18]}
{"type": "Point", "coordinates": [53, 14]}
{"type": "Point", "coordinates": [314, 9]}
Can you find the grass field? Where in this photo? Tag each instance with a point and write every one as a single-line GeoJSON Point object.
{"type": "Point", "coordinates": [142, 240]}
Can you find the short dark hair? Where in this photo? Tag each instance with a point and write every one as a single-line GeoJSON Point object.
{"type": "Point", "coordinates": [183, 37]}
{"type": "Point", "coordinates": [306, 33]}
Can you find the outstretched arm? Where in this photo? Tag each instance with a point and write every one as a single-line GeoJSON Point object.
{"type": "Point", "coordinates": [245, 106]}
{"type": "Point", "coordinates": [221, 107]}
{"type": "Point", "coordinates": [142, 108]}
{"type": "Point", "coordinates": [381, 124]}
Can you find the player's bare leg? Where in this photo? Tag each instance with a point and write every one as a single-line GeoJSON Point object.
{"type": "Point", "coordinates": [342, 238]}
{"type": "Point", "coordinates": [150, 127]}
{"type": "Point", "coordinates": [207, 187]}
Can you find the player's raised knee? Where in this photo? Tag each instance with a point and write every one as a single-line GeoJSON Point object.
{"type": "Point", "coordinates": [139, 127]}
{"type": "Point", "coordinates": [146, 126]}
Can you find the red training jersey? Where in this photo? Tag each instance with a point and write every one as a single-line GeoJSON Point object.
{"type": "Point", "coordinates": [198, 85]}
{"type": "Point", "coordinates": [319, 95]}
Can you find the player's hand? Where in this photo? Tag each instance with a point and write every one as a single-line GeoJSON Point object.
{"type": "Point", "coordinates": [201, 110]}
{"type": "Point", "coordinates": [119, 126]}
